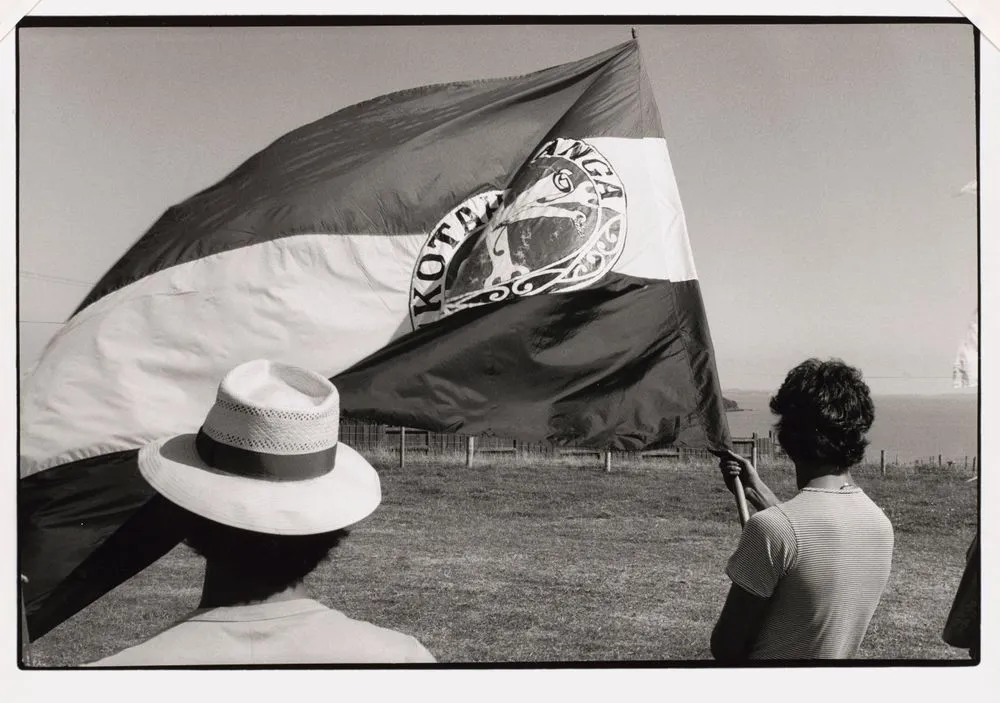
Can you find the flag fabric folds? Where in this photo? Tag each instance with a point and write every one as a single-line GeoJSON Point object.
{"type": "Point", "coordinates": [502, 256]}
{"type": "Point", "coordinates": [623, 365]}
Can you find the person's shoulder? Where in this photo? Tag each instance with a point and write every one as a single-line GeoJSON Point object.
{"type": "Point", "coordinates": [767, 550]}
{"type": "Point", "coordinates": [769, 529]}
{"type": "Point", "coordinates": [152, 652]}
{"type": "Point", "coordinates": [122, 658]}
{"type": "Point", "coordinates": [398, 646]}
{"type": "Point", "coordinates": [164, 647]}
{"type": "Point", "coordinates": [876, 512]}
{"type": "Point", "coordinates": [771, 520]}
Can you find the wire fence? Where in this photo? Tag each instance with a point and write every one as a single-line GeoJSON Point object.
{"type": "Point", "coordinates": [373, 438]}
{"type": "Point", "coordinates": [408, 443]}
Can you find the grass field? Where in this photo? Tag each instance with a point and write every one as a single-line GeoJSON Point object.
{"type": "Point", "coordinates": [520, 561]}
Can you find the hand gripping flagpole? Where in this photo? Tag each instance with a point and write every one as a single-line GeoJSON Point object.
{"type": "Point", "coordinates": [741, 499]}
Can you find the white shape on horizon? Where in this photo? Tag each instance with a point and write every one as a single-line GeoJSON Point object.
{"type": "Point", "coordinates": [965, 372]}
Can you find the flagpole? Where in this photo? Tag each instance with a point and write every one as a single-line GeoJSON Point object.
{"type": "Point", "coordinates": [741, 502]}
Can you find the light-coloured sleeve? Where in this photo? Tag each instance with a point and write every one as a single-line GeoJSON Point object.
{"type": "Point", "coordinates": [765, 553]}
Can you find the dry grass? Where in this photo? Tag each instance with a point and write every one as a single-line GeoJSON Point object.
{"type": "Point", "coordinates": [557, 561]}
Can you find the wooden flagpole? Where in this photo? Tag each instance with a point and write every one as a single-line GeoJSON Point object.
{"type": "Point", "coordinates": [741, 502]}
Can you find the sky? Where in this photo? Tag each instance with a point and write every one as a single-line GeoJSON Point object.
{"type": "Point", "coordinates": [819, 165]}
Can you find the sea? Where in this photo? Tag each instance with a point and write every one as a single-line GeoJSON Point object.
{"type": "Point", "coordinates": [908, 427]}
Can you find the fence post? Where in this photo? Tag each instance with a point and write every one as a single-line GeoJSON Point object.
{"type": "Point", "coordinates": [881, 462]}
{"type": "Point", "coordinates": [607, 460]}
{"type": "Point", "coordinates": [753, 451]}
{"type": "Point", "coordinates": [973, 463]}
{"type": "Point", "coordinates": [402, 447]}
{"type": "Point", "coordinates": [470, 450]}
{"type": "Point", "coordinates": [939, 461]}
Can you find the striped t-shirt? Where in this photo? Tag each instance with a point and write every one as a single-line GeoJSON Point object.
{"type": "Point", "coordinates": [822, 559]}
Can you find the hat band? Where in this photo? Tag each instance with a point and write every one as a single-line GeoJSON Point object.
{"type": "Point", "coordinates": [269, 467]}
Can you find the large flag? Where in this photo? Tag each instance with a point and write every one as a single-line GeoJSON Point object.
{"type": "Point", "coordinates": [506, 256]}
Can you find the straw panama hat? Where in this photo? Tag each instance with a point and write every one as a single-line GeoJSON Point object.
{"type": "Point", "coordinates": [267, 458]}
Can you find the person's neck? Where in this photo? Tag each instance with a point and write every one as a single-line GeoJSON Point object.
{"type": "Point", "coordinates": [823, 477]}
{"type": "Point", "coordinates": [222, 588]}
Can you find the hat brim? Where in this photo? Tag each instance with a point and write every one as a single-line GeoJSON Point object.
{"type": "Point", "coordinates": [348, 493]}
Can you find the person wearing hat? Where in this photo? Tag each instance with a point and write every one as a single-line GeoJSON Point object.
{"type": "Point", "coordinates": [265, 491]}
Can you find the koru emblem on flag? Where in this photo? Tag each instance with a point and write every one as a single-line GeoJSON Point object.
{"type": "Point", "coordinates": [560, 226]}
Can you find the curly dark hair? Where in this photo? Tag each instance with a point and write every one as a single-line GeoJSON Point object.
{"type": "Point", "coordinates": [276, 562]}
{"type": "Point", "coordinates": [824, 409]}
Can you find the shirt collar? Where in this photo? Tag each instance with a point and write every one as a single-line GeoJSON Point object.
{"type": "Point", "coordinates": [257, 611]}
{"type": "Point", "coordinates": [852, 488]}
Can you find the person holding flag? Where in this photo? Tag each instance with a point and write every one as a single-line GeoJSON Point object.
{"type": "Point", "coordinates": [809, 572]}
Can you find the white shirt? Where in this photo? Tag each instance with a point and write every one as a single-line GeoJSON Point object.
{"type": "Point", "coordinates": [301, 631]}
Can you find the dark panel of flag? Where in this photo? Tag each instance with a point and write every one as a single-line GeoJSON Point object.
{"type": "Point", "coordinates": [626, 365]}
